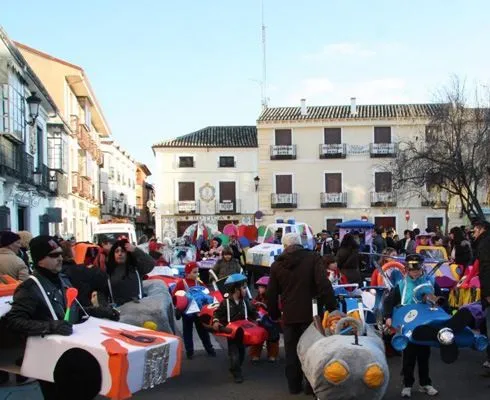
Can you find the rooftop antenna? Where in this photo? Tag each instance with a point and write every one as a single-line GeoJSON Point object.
{"type": "Point", "coordinates": [264, 63]}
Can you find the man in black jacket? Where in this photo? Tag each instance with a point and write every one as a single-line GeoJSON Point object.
{"type": "Point", "coordinates": [31, 315]}
{"type": "Point", "coordinates": [298, 276]}
{"type": "Point", "coordinates": [481, 235]}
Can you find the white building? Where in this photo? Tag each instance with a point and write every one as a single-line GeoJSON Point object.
{"type": "Point", "coordinates": [208, 175]}
{"type": "Point", "coordinates": [24, 175]}
{"type": "Point", "coordinates": [118, 183]}
{"type": "Point", "coordinates": [75, 134]}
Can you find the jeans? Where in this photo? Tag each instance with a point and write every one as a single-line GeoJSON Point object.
{"type": "Point", "coordinates": [412, 355]}
{"type": "Point", "coordinates": [188, 322]}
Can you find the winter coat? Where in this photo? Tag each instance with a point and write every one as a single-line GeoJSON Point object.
{"type": "Point", "coordinates": [462, 253]}
{"type": "Point", "coordinates": [483, 256]}
{"type": "Point", "coordinates": [298, 276]}
{"type": "Point", "coordinates": [86, 280]}
{"type": "Point", "coordinates": [379, 244]}
{"type": "Point", "coordinates": [12, 265]}
{"type": "Point", "coordinates": [237, 311]}
{"type": "Point", "coordinates": [126, 281]}
{"type": "Point", "coordinates": [224, 268]}
{"type": "Point", "coordinates": [348, 261]}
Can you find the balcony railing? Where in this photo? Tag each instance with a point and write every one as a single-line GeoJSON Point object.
{"type": "Point", "coordinates": [383, 149]}
{"type": "Point", "coordinates": [434, 200]}
{"type": "Point", "coordinates": [383, 199]}
{"type": "Point", "coordinates": [329, 200]}
{"type": "Point", "coordinates": [187, 207]}
{"type": "Point", "coordinates": [58, 183]}
{"type": "Point", "coordinates": [228, 207]}
{"type": "Point", "coordinates": [75, 182]}
{"type": "Point", "coordinates": [333, 150]}
{"type": "Point", "coordinates": [284, 200]}
{"type": "Point", "coordinates": [283, 152]}
{"type": "Point", "coordinates": [41, 178]}
{"type": "Point", "coordinates": [27, 169]}
{"type": "Point", "coordinates": [86, 187]}
{"type": "Point", "coordinates": [83, 137]}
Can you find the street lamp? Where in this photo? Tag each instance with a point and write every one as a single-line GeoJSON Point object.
{"type": "Point", "coordinates": [33, 102]}
{"type": "Point", "coordinates": [256, 180]}
{"type": "Point", "coordinates": [121, 197]}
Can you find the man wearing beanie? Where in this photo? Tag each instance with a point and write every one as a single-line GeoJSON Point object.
{"type": "Point", "coordinates": [10, 263]}
{"type": "Point", "coordinates": [30, 315]}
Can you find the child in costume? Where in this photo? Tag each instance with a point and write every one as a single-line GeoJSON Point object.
{"type": "Point", "coordinates": [190, 320]}
{"type": "Point", "coordinates": [235, 307]}
{"type": "Point", "coordinates": [272, 343]}
{"type": "Point", "coordinates": [403, 294]}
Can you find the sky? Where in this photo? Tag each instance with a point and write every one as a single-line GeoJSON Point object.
{"type": "Point", "coordinates": [162, 69]}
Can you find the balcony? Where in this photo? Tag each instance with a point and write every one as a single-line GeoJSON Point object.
{"type": "Point", "coordinates": [58, 183]}
{"type": "Point", "coordinates": [83, 136]}
{"type": "Point", "coordinates": [283, 152]}
{"type": "Point", "coordinates": [86, 187]}
{"type": "Point", "coordinates": [27, 169]}
{"type": "Point", "coordinates": [10, 161]}
{"type": "Point", "coordinates": [333, 200]}
{"type": "Point", "coordinates": [378, 150]}
{"type": "Point", "coordinates": [187, 207]}
{"type": "Point", "coordinates": [75, 182]}
{"type": "Point", "coordinates": [383, 199]}
{"type": "Point", "coordinates": [228, 207]}
{"type": "Point", "coordinates": [434, 200]}
{"type": "Point", "coordinates": [284, 200]}
{"type": "Point", "coordinates": [41, 178]}
{"type": "Point", "coordinates": [333, 150]}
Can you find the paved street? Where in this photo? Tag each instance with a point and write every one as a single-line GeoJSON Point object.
{"type": "Point", "coordinates": [206, 378]}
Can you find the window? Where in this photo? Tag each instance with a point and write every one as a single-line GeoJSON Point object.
{"type": "Point", "coordinates": [186, 162]}
{"type": "Point", "coordinates": [57, 153]}
{"type": "Point", "coordinates": [333, 183]}
{"type": "Point", "coordinates": [14, 107]}
{"type": "Point", "coordinates": [331, 224]}
{"type": "Point", "coordinates": [227, 162]}
{"type": "Point", "coordinates": [382, 134]}
{"type": "Point", "coordinates": [186, 191]}
{"type": "Point", "coordinates": [435, 223]}
{"type": "Point", "coordinates": [433, 181]}
{"type": "Point", "coordinates": [332, 136]}
{"type": "Point", "coordinates": [40, 149]}
{"type": "Point", "coordinates": [385, 222]}
{"type": "Point", "coordinates": [382, 182]}
{"type": "Point", "coordinates": [431, 133]}
{"type": "Point", "coordinates": [283, 137]}
{"type": "Point", "coordinates": [284, 184]}
{"type": "Point", "coordinates": [9, 154]}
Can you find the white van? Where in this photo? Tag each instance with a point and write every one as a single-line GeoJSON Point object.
{"type": "Point", "coordinates": [112, 232]}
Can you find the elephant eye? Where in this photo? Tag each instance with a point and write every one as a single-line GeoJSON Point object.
{"type": "Point", "coordinates": [336, 372]}
{"type": "Point", "coordinates": [374, 376]}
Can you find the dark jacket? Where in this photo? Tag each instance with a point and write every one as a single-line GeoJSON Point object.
{"type": "Point", "coordinates": [225, 268]}
{"type": "Point", "coordinates": [237, 311]}
{"type": "Point", "coordinates": [124, 281]}
{"type": "Point", "coordinates": [379, 244]}
{"type": "Point", "coordinates": [30, 314]}
{"type": "Point", "coordinates": [348, 261]}
{"type": "Point", "coordinates": [86, 280]}
{"type": "Point", "coordinates": [463, 253]}
{"type": "Point", "coordinates": [298, 276]}
{"type": "Point", "coordinates": [483, 255]}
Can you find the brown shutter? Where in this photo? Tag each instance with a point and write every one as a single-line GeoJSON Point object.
{"type": "Point", "coordinates": [332, 136]}
{"type": "Point", "coordinates": [284, 184]}
{"type": "Point", "coordinates": [332, 224]}
{"type": "Point", "coordinates": [382, 182]}
{"type": "Point", "coordinates": [186, 191]}
{"type": "Point", "coordinates": [227, 191]}
{"type": "Point", "coordinates": [333, 183]}
{"type": "Point", "coordinates": [283, 137]}
{"type": "Point", "coordinates": [385, 222]}
{"type": "Point", "coordinates": [382, 134]}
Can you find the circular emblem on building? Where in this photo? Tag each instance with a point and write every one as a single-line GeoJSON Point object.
{"type": "Point", "coordinates": [207, 192]}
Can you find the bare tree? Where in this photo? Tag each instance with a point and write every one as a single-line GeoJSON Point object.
{"type": "Point", "coordinates": [452, 158]}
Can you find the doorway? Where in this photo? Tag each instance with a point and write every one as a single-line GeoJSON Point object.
{"type": "Point", "coordinates": [22, 219]}
{"type": "Point", "coordinates": [385, 222]}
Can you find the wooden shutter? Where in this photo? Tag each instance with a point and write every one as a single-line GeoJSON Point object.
{"type": "Point", "coordinates": [186, 191]}
{"type": "Point", "coordinates": [333, 183]}
{"type": "Point", "coordinates": [332, 136]}
{"type": "Point", "coordinates": [227, 191]}
{"type": "Point", "coordinates": [385, 222]}
{"type": "Point", "coordinates": [382, 134]}
{"type": "Point", "coordinates": [382, 182]}
{"type": "Point", "coordinates": [332, 224]}
{"type": "Point", "coordinates": [283, 137]}
{"type": "Point", "coordinates": [284, 184]}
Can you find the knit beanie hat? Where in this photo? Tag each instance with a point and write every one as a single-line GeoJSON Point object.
{"type": "Point", "coordinates": [41, 246]}
{"type": "Point", "coordinates": [7, 238]}
{"type": "Point", "coordinates": [190, 266]}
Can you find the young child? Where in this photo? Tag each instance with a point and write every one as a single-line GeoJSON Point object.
{"type": "Point", "coordinates": [403, 294]}
{"type": "Point", "coordinates": [333, 273]}
{"type": "Point", "coordinates": [272, 343]}
{"type": "Point", "coordinates": [235, 307]}
{"type": "Point", "coordinates": [191, 320]}
{"type": "Point", "coordinates": [227, 265]}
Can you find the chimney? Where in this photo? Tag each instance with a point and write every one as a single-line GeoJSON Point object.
{"type": "Point", "coordinates": [304, 109]}
{"type": "Point", "coordinates": [353, 106]}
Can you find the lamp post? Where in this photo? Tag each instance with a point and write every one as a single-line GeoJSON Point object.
{"type": "Point", "coordinates": [256, 181]}
{"type": "Point", "coordinates": [33, 102]}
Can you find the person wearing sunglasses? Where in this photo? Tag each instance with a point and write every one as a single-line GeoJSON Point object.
{"type": "Point", "coordinates": [39, 307]}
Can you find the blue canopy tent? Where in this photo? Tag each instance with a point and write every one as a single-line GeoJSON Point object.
{"type": "Point", "coordinates": [365, 228]}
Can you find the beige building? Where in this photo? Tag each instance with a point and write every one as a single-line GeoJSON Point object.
{"type": "Point", "coordinates": [208, 175]}
{"type": "Point", "coordinates": [75, 139]}
{"type": "Point", "coordinates": [327, 164]}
